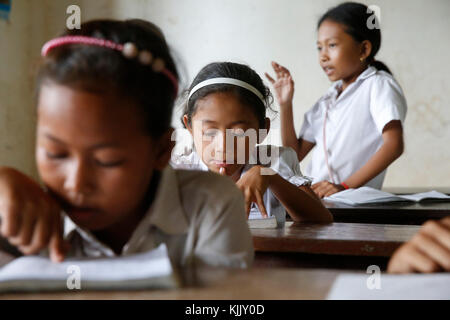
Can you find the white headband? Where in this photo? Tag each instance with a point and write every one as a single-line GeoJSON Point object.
{"type": "Point", "coordinates": [232, 81]}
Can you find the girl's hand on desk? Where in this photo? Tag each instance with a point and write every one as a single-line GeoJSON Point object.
{"type": "Point", "coordinates": [428, 251]}
{"type": "Point", "coordinates": [283, 85]}
{"type": "Point", "coordinates": [326, 188]}
{"type": "Point", "coordinates": [253, 184]}
{"type": "Point", "coordinates": [30, 218]}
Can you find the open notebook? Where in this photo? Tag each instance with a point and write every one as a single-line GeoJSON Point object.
{"type": "Point", "coordinates": [367, 195]}
{"type": "Point", "coordinates": [140, 271]}
{"type": "Point", "coordinates": [391, 287]}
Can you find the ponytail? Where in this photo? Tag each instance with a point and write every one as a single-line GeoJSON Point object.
{"type": "Point", "coordinates": [380, 66]}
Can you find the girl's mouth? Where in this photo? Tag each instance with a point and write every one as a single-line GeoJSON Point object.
{"type": "Point", "coordinates": [221, 164]}
{"type": "Point", "coordinates": [80, 213]}
{"type": "Point", "coordinates": [328, 70]}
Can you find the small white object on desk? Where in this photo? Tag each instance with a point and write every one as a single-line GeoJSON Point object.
{"type": "Point", "coordinates": [257, 221]}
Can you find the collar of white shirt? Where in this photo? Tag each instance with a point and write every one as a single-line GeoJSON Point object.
{"type": "Point", "coordinates": [165, 213]}
{"type": "Point", "coordinates": [334, 89]}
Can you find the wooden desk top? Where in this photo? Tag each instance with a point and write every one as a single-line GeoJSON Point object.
{"type": "Point", "coordinates": [354, 239]}
{"type": "Point", "coordinates": [258, 284]}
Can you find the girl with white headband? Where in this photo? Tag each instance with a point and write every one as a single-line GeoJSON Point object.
{"type": "Point", "coordinates": [226, 114]}
{"type": "Point", "coordinates": [105, 99]}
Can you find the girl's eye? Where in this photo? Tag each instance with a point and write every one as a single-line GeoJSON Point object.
{"type": "Point", "coordinates": [210, 133]}
{"type": "Point", "coordinates": [109, 164]}
{"type": "Point", "coordinates": [319, 48]}
{"type": "Point", "coordinates": [51, 155]}
{"type": "Point", "coordinates": [238, 133]}
{"type": "Point", "coordinates": [332, 45]}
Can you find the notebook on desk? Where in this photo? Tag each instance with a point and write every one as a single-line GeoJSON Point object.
{"type": "Point", "coordinates": [367, 195]}
{"type": "Point", "coordinates": [148, 270]}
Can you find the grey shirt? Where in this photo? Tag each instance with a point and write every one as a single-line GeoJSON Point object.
{"type": "Point", "coordinates": [200, 216]}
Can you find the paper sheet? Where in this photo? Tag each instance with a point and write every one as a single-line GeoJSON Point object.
{"type": "Point", "coordinates": [391, 287]}
{"type": "Point", "coordinates": [140, 266]}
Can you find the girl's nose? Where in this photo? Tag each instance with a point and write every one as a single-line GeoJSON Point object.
{"type": "Point", "coordinates": [78, 182]}
{"type": "Point", "coordinates": [223, 148]}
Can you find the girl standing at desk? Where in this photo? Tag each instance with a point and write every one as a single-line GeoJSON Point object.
{"type": "Point", "coordinates": [356, 127]}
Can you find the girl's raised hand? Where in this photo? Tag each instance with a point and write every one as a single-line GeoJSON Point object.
{"type": "Point", "coordinates": [254, 185]}
{"type": "Point", "coordinates": [283, 85]}
{"type": "Point", "coordinates": [30, 218]}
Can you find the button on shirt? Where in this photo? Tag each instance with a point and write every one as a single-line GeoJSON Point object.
{"type": "Point", "coordinates": [283, 161]}
{"type": "Point", "coordinates": [200, 216]}
{"type": "Point", "coordinates": [354, 125]}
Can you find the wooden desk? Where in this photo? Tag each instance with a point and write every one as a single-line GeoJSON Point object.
{"type": "Point", "coordinates": [258, 284]}
{"type": "Point", "coordinates": [354, 239]}
{"type": "Point", "coordinates": [345, 246]}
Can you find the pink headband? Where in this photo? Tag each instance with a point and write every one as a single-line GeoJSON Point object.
{"type": "Point", "coordinates": [128, 49]}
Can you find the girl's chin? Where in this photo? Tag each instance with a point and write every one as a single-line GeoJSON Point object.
{"type": "Point", "coordinates": [333, 77]}
{"type": "Point", "coordinates": [87, 219]}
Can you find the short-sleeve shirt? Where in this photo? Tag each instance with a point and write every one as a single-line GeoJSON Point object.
{"type": "Point", "coordinates": [200, 216]}
{"type": "Point", "coordinates": [283, 161]}
{"type": "Point", "coordinates": [354, 126]}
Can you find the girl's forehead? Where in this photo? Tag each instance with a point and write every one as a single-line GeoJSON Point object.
{"type": "Point", "coordinates": [223, 107]}
{"type": "Point", "coordinates": [69, 111]}
{"type": "Point", "coordinates": [330, 29]}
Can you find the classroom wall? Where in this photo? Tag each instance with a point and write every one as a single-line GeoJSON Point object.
{"type": "Point", "coordinates": [30, 24]}
{"type": "Point", "coordinates": [16, 117]}
{"type": "Point", "coordinates": [415, 47]}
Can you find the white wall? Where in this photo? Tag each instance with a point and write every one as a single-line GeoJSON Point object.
{"type": "Point", "coordinates": [415, 47]}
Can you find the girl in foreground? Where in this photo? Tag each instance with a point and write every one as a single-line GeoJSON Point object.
{"type": "Point", "coordinates": [105, 100]}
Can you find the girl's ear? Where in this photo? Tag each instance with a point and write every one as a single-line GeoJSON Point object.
{"type": "Point", "coordinates": [186, 123]}
{"type": "Point", "coordinates": [366, 49]}
{"type": "Point", "coordinates": [266, 130]}
{"type": "Point", "coordinates": [164, 148]}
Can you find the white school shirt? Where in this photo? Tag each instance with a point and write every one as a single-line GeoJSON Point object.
{"type": "Point", "coordinates": [200, 216]}
{"type": "Point", "coordinates": [284, 161]}
{"type": "Point", "coordinates": [354, 125]}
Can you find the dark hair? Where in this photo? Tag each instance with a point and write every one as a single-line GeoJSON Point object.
{"type": "Point", "coordinates": [106, 71]}
{"type": "Point", "coordinates": [354, 17]}
{"type": "Point", "coordinates": [235, 71]}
